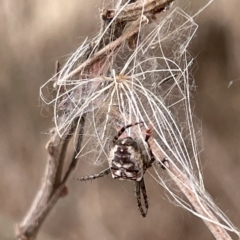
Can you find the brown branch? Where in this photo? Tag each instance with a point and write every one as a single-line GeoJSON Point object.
{"type": "Point", "coordinates": [134, 10]}
{"type": "Point", "coordinates": [53, 184]}
{"type": "Point", "coordinates": [199, 205]}
{"type": "Point", "coordinates": [98, 62]}
{"type": "Point", "coordinates": [56, 149]}
{"type": "Point", "coordinates": [109, 49]}
{"type": "Point", "coordinates": [180, 179]}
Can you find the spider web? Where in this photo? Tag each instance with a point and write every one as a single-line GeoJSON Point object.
{"type": "Point", "coordinates": [152, 84]}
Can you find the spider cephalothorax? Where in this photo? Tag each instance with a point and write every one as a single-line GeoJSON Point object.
{"type": "Point", "coordinates": [128, 161]}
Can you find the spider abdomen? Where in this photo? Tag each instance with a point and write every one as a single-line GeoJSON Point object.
{"type": "Point", "coordinates": [125, 160]}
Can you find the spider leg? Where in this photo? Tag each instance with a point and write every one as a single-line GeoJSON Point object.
{"type": "Point", "coordinates": [140, 188]}
{"type": "Point", "coordinates": [94, 176]}
{"type": "Point", "coordinates": [144, 194]}
{"type": "Point", "coordinates": [121, 131]}
{"type": "Point", "coordinates": [152, 157]}
{"type": "Point", "coordinates": [165, 163]}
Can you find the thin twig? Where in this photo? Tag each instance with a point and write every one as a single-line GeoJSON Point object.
{"type": "Point", "coordinates": [184, 184]}
{"type": "Point", "coordinates": [109, 49]}
{"type": "Point", "coordinates": [56, 148]}
{"type": "Point", "coordinates": [181, 181]}
{"type": "Point", "coordinates": [133, 11]}
{"type": "Point", "coordinates": [59, 190]}
{"type": "Point", "coordinates": [53, 183]}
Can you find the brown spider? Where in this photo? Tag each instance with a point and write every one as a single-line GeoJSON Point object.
{"type": "Point", "coordinates": [127, 161]}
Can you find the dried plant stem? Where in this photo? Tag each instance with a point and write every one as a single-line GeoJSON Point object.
{"type": "Point", "coordinates": [181, 180]}
{"type": "Point", "coordinates": [132, 11]}
{"type": "Point", "coordinates": [133, 16]}
{"type": "Point", "coordinates": [184, 184]}
{"type": "Point", "coordinates": [51, 184]}
{"type": "Point", "coordinates": [109, 49]}
{"type": "Point", "coordinates": [135, 11]}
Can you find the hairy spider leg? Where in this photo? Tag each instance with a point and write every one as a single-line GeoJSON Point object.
{"type": "Point", "coordinates": [149, 164]}
{"type": "Point", "coordinates": [152, 157]}
{"type": "Point", "coordinates": [144, 193]}
{"type": "Point", "coordinates": [121, 131]}
{"type": "Point", "coordinates": [140, 188]}
{"type": "Point", "coordinates": [94, 176]}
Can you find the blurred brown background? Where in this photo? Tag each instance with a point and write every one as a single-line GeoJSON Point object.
{"type": "Point", "coordinates": [36, 33]}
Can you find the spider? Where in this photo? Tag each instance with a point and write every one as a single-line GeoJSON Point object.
{"type": "Point", "coordinates": [127, 161]}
